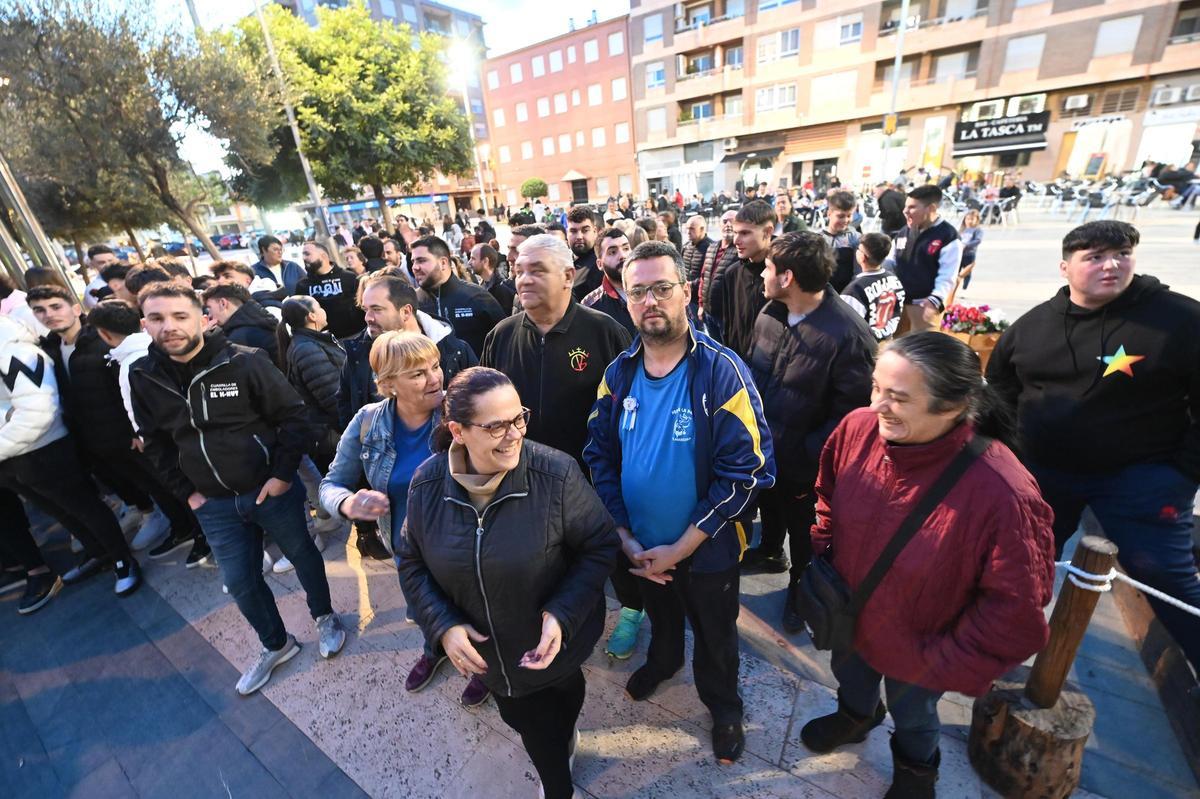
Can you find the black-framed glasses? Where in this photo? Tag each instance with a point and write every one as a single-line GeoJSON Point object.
{"type": "Point", "coordinates": [661, 291]}
{"type": "Point", "coordinates": [499, 429]}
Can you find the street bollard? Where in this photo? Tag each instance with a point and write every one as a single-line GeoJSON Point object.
{"type": "Point", "coordinates": [1028, 733]}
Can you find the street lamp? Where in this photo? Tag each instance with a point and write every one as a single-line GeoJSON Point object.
{"type": "Point", "coordinates": [462, 64]}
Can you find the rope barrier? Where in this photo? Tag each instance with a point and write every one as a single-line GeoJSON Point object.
{"type": "Point", "coordinates": [1102, 583]}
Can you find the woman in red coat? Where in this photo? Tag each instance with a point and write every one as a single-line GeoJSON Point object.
{"type": "Point", "coordinates": [962, 603]}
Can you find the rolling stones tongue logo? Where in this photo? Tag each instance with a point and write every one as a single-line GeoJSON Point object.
{"type": "Point", "coordinates": [578, 358]}
{"type": "Point", "coordinates": [934, 246]}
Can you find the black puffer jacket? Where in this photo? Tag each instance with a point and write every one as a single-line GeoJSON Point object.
{"type": "Point", "coordinates": [252, 326]}
{"type": "Point", "coordinates": [314, 367]}
{"type": "Point", "coordinates": [544, 543]}
{"type": "Point", "coordinates": [717, 259]}
{"type": "Point", "coordinates": [693, 261]}
{"type": "Point", "coordinates": [89, 393]}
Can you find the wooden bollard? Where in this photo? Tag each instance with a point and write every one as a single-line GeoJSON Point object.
{"type": "Point", "coordinates": [1028, 732]}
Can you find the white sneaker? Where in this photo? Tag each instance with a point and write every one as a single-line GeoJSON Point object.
{"type": "Point", "coordinates": [130, 519]}
{"type": "Point", "coordinates": [282, 565]}
{"type": "Point", "coordinates": [257, 675]}
{"type": "Point", "coordinates": [155, 528]}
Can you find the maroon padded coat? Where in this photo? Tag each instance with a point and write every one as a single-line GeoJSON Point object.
{"type": "Point", "coordinates": [962, 604]}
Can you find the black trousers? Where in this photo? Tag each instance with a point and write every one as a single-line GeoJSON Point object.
{"type": "Point", "coordinates": [17, 547]}
{"type": "Point", "coordinates": [788, 511]}
{"type": "Point", "coordinates": [53, 479]}
{"type": "Point", "coordinates": [131, 474]}
{"type": "Point", "coordinates": [709, 602]}
{"type": "Point", "coordinates": [546, 721]}
{"type": "Point", "coordinates": [625, 585]}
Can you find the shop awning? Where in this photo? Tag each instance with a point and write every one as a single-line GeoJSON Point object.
{"type": "Point", "coordinates": [574, 174]}
{"type": "Point", "coordinates": [1001, 135]}
{"type": "Point", "coordinates": [761, 152]}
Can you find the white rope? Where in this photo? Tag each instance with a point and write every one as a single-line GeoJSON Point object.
{"type": "Point", "coordinates": [1102, 583]}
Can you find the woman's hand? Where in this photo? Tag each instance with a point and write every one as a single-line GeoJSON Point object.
{"type": "Point", "coordinates": [365, 504]}
{"type": "Point", "coordinates": [547, 648]}
{"type": "Point", "coordinates": [463, 656]}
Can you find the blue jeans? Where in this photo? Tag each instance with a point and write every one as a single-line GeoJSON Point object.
{"type": "Point", "coordinates": [1146, 510]}
{"type": "Point", "coordinates": [913, 709]}
{"type": "Point", "coordinates": [234, 528]}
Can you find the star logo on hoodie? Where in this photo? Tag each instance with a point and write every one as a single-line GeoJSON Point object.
{"type": "Point", "coordinates": [1119, 362]}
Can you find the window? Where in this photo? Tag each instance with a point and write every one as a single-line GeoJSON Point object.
{"type": "Point", "coordinates": [652, 27]}
{"type": "Point", "coordinates": [621, 132]}
{"type": "Point", "coordinates": [595, 94]}
{"type": "Point", "coordinates": [388, 8]}
{"type": "Point", "coordinates": [579, 138]}
{"type": "Point", "coordinates": [733, 105]}
{"type": "Point", "coordinates": [1027, 104]}
{"type": "Point", "coordinates": [656, 76]}
{"type": "Point", "coordinates": [543, 106]}
{"type": "Point", "coordinates": [771, 98]}
{"type": "Point", "coordinates": [575, 97]}
{"type": "Point", "coordinates": [1023, 3]}
{"type": "Point", "coordinates": [700, 151]}
{"type": "Point", "coordinates": [625, 183]}
{"type": "Point", "coordinates": [560, 103]}
{"type": "Point", "coordinates": [1187, 24]}
{"type": "Point", "coordinates": [498, 117]}
{"type": "Point", "coordinates": [702, 109]}
{"type": "Point", "coordinates": [768, 49]}
{"type": "Point", "coordinates": [733, 57]}
{"type": "Point", "coordinates": [505, 154]}
{"type": "Point", "coordinates": [564, 142]}
{"type": "Point", "coordinates": [556, 60]}
{"type": "Point", "coordinates": [767, 5]}
{"type": "Point", "coordinates": [619, 90]}
{"type": "Point", "coordinates": [591, 51]}
{"type": "Point", "coordinates": [616, 43]}
{"type": "Point", "coordinates": [789, 42]}
{"type": "Point", "coordinates": [849, 28]}
{"type": "Point", "coordinates": [522, 112]}
{"type": "Point", "coordinates": [602, 187]}
{"type": "Point", "coordinates": [598, 137]}
{"type": "Point", "coordinates": [950, 66]}
{"type": "Point", "coordinates": [526, 150]}
{"type": "Point", "coordinates": [481, 131]}
{"type": "Point", "coordinates": [735, 9]}
{"type": "Point", "coordinates": [571, 54]}
{"type": "Point", "coordinates": [409, 12]}
{"type": "Point", "coordinates": [476, 106]}
{"type": "Point", "coordinates": [1117, 100]}
{"type": "Point", "coordinates": [699, 63]}
{"type": "Point", "coordinates": [493, 79]}
{"type": "Point", "coordinates": [656, 119]}
{"type": "Point", "coordinates": [1024, 52]}
{"type": "Point", "coordinates": [1117, 36]}
{"type": "Point", "coordinates": [511, 196]}
{"type": "Point", "coordinates": [555, 193]}
{"type": "Point", "coordinates": [515, 74]}
{"type": "Point", "coordinates": [548, 145]}
{"type": "Point", "coordinates": [538, 66]}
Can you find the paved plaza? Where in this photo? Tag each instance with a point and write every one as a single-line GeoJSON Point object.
{"type": "Point", "coordinates": [101, 697]}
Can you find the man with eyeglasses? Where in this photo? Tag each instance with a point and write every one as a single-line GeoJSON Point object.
{"type": "Point", "coordinates": [686, 412]}
{"type": "Point", "coordinates": [554, 350]}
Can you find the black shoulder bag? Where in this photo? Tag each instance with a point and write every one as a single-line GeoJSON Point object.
{"type": "Point", "coordinates": [829, 607]}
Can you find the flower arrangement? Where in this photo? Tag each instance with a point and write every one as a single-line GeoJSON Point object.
{"type": "Point", "coordinates": [973, 319]}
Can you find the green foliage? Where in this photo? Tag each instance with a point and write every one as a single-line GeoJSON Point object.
{"type": "Point", "coordinates": [534, 188]}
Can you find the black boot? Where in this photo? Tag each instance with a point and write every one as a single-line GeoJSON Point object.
{"type": "Point", "coordinates": [793, 620]}
{"type": "Point", "coordinates": [827, 733]}
{"type": "Point", "coordinates": [369, 545]}
{"type": "Point", "coordinates": [910, 779]}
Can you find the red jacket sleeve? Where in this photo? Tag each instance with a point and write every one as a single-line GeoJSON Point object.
{"type": "Point", "coordinates": [826, 477]}
{"type": "Point", "coordinates": [1006, 622]}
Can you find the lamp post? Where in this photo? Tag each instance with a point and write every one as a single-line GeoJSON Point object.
{"type": "Point", "coordinates": [462, 60]}
{"type": "Point", "coordinates": [887, 138]}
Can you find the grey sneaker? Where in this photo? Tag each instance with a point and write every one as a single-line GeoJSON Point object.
{"type": "Point", "coordinates": [257, 675]}
{"type": "Point", "coordinates": [331, 633]}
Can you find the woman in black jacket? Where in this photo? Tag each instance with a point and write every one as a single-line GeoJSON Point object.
{"type": "Point", "coordinates": [504, 555]}
{"type": "Point", "coordinates": [312, 359]}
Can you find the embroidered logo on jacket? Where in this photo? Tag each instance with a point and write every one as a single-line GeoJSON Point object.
{"type": "Point", "coordinates": [578, 358]}
{"type": "Point", "coordinates": [934, 246]}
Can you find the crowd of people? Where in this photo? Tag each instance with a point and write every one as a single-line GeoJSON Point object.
{"type": "Point", "coordinates": [611, 399]}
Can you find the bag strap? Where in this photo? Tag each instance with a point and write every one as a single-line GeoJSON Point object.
{"type": "Point", "coordinates": [916, 518]}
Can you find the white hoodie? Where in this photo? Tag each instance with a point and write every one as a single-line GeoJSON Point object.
{"type": "Point", "coordinates": [434, 329]}
{"type": "Point", "coordinates": [30, 414]}
{"type": "Point", "coordinates": [133, 348]}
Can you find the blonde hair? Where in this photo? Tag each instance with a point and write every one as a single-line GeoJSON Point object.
{"type": "Point", "coordinates": [974, 212]}
{"type": "Point", "coordinates": [398, 351]}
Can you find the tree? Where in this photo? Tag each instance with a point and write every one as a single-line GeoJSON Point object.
{"type": "Point", "coordinates": [534, 188]}
{"type": "Point", "coordinates": [373, 109]}
{"type": "Point", "coordinates": [120, 93]}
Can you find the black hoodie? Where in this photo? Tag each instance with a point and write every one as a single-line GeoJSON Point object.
{"type": "Point", "coordinates": [1096, 391]}
{"type": "Point", "coordinates": [252, 326]}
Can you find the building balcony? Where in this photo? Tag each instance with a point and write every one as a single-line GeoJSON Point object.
{"type": "Point", "coordinates": [1180, 54]}
{"type": "Point", "coordinates": [891, 28]}
{"type": "Point", "coordinates": [923, 93]}
{"type": "Point", "coordinates": [709, 82]}
{"type": "Point", "coordinates": [697, 35]}
{"type": "Point", "coordinates": [688, 131]}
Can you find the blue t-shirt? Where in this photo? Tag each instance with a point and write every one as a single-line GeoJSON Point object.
{"type": "Point", "coordinates": [412, 448]}
{"type": "Point", "coordinates": [658, 442]}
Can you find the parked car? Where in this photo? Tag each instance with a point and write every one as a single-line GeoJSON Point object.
{"type": "Point", "coordinates": [229, 241]}
{"type": "Point", "coordinates": [181, 248]}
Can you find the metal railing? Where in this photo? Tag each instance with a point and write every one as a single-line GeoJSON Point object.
{"type": "Point", "coordinates": [682, 25]}
{"type": "Point", "coordinates": [890, 28]}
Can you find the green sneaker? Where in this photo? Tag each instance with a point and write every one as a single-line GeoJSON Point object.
{"type": "Point", "coordinates": [624, 636]}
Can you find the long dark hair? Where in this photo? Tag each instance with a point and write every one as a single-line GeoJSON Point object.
{"type": "Point", "coordinates": [953, 375]}
{"type": "Point", "coordinates": [292, 315]}
{"type": "Point", "coordinates": [459, 403]}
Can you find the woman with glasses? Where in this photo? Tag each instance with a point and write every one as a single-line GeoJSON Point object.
{"type": "Point", "coordinates": [385, 442]}
{"type": "Point", "coordinates": [504, 557]}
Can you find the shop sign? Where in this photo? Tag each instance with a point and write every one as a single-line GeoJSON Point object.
{"type": "Point", "coordinates": [1172, 116]}
{"type": "Point", "coordinates": [1019, 132]}
{"type": "Point", "coordinates": [1089, 121]}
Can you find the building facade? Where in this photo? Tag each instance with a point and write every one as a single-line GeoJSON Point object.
{"type": "Point", "coordinates": [560, 110]}
{"type": "Point", "coordinates": [729, 92]}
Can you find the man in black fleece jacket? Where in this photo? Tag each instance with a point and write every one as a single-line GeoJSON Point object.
{"type": "Point", "coordinates": [241, 318]}
{"type": "Point", "coordinates": [1105, 380]}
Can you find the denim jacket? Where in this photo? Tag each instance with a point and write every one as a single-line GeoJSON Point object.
{"type": "Point", "coordinates": [367, 448]}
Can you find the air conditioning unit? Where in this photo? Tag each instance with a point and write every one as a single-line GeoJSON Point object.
{"type": "Point", "coordinates": [1167, 95]}
{"type": "Point", "coordinates": [730, 143]}
{"type": "Point", "coordinates": [1193, 92]}
{"type": "Point", "coordinates": [1076, 101]}
{"type": "Point", "coordinates": [989, 110]}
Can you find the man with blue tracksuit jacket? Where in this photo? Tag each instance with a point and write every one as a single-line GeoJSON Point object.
{"type": "Point", "coordinates": [687, 412]}
{"type": "Point", "coordinates": [272, 265]}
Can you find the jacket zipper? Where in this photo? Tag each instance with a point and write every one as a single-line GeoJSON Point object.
{"type": "Point", "coordinates": [187, 400]}
{"type": "Point", "coordinates": [487, 609]}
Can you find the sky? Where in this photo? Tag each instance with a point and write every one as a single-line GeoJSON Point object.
{"type": "Point", "coordinates": [508, 25]}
